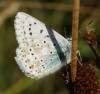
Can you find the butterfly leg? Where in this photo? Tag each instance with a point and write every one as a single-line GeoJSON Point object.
{"type": "Point", "coordinates": [79, 59]}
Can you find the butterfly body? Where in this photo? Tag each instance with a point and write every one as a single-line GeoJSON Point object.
{"type": "Point", "coordinates": [41, 50]}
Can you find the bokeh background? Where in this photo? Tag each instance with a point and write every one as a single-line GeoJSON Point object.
{"type": "Point", "coordinates": [56, 14]}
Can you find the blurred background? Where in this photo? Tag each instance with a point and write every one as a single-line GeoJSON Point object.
{"type": "Point", "coordinates": [56, 14]}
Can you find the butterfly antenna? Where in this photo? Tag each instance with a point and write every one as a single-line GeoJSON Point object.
{"type": "Point", "coordinates": [65, 32]}
{"type": "Point", "coordinates": [86, 25]}
{"type": "Point", "coordinates": [90, 22]}
{"type": "Point", "coordinates": [79, 59]}
{"type": "Point", "coordinates": [67, 71]}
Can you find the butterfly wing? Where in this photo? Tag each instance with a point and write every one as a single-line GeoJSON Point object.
{"type": "Point", "coordinates": [41, 50]}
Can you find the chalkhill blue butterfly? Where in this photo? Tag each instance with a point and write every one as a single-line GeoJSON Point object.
{"type": "Point", "coordinates": [41, 50]}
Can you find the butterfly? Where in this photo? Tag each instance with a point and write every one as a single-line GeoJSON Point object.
{"type": "Point", "coordinates": [41, 50]}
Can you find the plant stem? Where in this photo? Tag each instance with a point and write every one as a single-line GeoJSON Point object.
{"type": "Point", "coordinates": [74, 38]}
